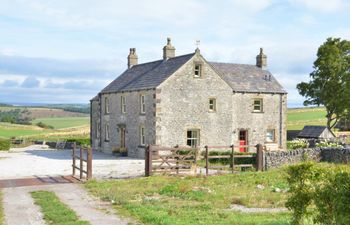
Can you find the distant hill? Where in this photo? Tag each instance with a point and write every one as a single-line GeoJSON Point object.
{"type": "Point", "coordinates": [299, 117]}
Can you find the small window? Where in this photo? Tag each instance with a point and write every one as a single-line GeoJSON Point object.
{"type": "Point", "coordinates": [142, 135]}
{"type": "Point", "coordinates": [197, 70]}
{"type": "Point", "coordinates": [212, 104]}
{"type": "Point", "coordinates": [107, 132]}
{"type": "Point", "coordinates": [98, 127]}
{"type": "Point", "coordinates": [258, 105]}
{"type": "Point", "coordinates": [142, 104]}
{"type": "Point", "coordinates": [106, 105]}
{"type": "Point", "coordinates": [123, 104]}
{"type": "Point", "coordinates": [270, 135]}
{"type": "Point", "coordinates": [193, 138]}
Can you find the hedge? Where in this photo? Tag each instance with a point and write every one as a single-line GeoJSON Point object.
{"type": "Point", "coordinates": [5, 144]}
{"type": "Point", "coordinates": [80, 141]}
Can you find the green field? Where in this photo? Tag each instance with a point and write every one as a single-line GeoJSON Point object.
{"type": "Point", "coordinates": [298, 118]}
{"type": "Point", "coordinates": [64, 122]}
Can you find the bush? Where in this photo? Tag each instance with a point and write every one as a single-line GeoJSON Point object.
{"type": "Point", "coordinates": [319, 193]}
{"type": "Point", "coordinates": [80, 141]}
{"type": "Point", "coordinates": [5, 144]}
{"type": "Point", "coordinates": [45, 126]}
{"type": "Point", "coordinates": [326, 144]}
{"type": "Point", "coordinates": [297, 144]}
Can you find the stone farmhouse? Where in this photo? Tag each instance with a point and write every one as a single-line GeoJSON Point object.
{"type": "Point", "coordinates": [187, 100]}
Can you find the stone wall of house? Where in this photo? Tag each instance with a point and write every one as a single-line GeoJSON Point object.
{"type": "Point", "coordinates": [95, 121]}
{"type": "Point", "coordinates": [273, 116]}
{"type": "Point", "coordinates": [277, 159]}
{"type": "Point", "coordinates": [133, 119]}
{"type": "Point", "coordinates": [336, 155]}
{"type": "Point", "coordinates": [183, 104]}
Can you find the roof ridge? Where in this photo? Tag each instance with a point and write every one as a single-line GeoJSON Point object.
{"type": "Point", "coordinates": [161, 60]}
{"type": "Point", "coordinates": [244, 64]}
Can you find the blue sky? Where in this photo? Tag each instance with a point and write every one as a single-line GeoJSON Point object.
{"type": "Point", "coordinates": [65, 51]}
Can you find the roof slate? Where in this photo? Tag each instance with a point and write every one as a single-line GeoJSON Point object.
{"type": "Point", "coordinates": [242, 78]}
{"type": "Point", "coordinates": [312, 131]}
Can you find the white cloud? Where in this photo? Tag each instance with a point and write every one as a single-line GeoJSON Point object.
{"type": "Point", "coordinates": [325, 6]}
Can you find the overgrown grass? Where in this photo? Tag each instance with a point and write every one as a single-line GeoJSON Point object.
{"type": "Point", "coordinates": [196, 200]}
{"type": "Point", "coordinates": [64, 122]}
{"type": "Point", "coordinates": [55, 212]}
{"type": "Point", "coordinates": [298, 118]}
{"type": "Point", "coordinates": [2, 216]}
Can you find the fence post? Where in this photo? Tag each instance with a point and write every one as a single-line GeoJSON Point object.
{"type": "Point", "coordinates": [233, 157]}
{"type": "Point", "coordinates": [259, 157]}
{"type": "Point", "coordinates": [206, 160]}
{"type": "Point", "coordinates": [148, 161]}
{"type": "Point", "coordinates": [73, 156]}
{"type": "Point", "coordinates": [81, 162]}
{"type": "Point", "coordinates": [89, 164]}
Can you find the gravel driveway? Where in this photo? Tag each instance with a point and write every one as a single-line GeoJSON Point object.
{"type": "Point", "coordinates": [38, 160]}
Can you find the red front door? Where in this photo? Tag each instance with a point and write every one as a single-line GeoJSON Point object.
{"type": "Point", "coordinates": [243, 137]}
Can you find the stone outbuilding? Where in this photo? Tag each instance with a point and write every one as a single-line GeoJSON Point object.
{"type": "Point", "coordinates": [316, 132]}
{"type": "Point", "coordinates": [187, 100]}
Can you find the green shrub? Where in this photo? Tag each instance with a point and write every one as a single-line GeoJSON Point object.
{"type": "Point", "coordinates": [319, 193]}
{"type": "Point", "coordinates": [80, 141]}
{"type": "Point", "coordinates": [5, 144]}
{"type": "Point", "coordinates": [297, 144]}
{"type": "Point", "coordinates": [44, 125]}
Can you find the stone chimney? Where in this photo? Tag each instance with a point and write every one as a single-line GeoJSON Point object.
{"type": "Point", "coordinates": [168, 50]}
{"type": "Point", "coordinates": [132, 58]}
{"type": "Point", "coordinates": [261, 60]}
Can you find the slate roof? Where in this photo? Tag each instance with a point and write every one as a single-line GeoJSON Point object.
{"type": "Point", "coordinates": [312, 131]}
{"type": "Point", "coordinates": [147, 75]}
{"type": "Point", "coordinates": [248, 78]}
{"type": "Point", "coordinates": [242, 78]}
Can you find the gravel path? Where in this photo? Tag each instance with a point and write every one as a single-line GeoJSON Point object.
{"type": "Point", "coordinates": [242, 208]}
{"type": "Point", "coordinates": [20, 209]}
{"type": "Point", "coordinates": [38, 160]}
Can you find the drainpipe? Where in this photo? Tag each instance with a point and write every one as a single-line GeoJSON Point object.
{"type": "Point", "coordinates": [281, 124]}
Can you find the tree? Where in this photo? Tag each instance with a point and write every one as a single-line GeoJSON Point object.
{"type": "Point", "coordinates": [330, 81]}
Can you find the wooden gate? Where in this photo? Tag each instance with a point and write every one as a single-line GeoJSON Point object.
{"type": "Point", "coordinates": [84, 157]}
{"type": "Point", "coordinates": [170, 160]}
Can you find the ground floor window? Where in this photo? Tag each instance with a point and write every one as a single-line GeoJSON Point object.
{"type": "Point", "coordinates": [193, 138]}
{"type": "Point", "coordinates": [107, 132]}
{"type": "Point", "coordinates": [142, 135]}
{"type": "Point", "coordinates": [270, 135]}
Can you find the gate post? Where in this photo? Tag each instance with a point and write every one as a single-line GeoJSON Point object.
{"type": "Point", "coordinates": [81, 162]}
{"type": "Point", "coordinates": [89, 164]}
{"type": "Point", "coordinates": [233, 157]}
{"type": "Point", "coordinates": [206, 160]}
{"type": "Point", "coordinates": [148, 161]}
{"type": "Point", "coordinates": [73, 157]}
{"type": "Point", "coordinates": [259, 157]}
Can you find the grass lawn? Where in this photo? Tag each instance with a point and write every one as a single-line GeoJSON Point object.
{"type": "Point", "coordinates": [196, 200]}
{"type": "Point", "coordinates": [1, 210]}
{"type": "Point", "coordinates": [298, 118]}
{"type": "Point", "coordinates": [64, 122]}
{"type": "Point", "coordinates": [55, 212]}
{"type": "Point", "coordinates": [8, 130]}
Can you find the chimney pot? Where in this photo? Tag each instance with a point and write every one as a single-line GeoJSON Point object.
{"type": "Point", "coordinates": [132, 58]}
{"type": "Point", "coordinates": [168, 50]}
{"type": "Point", "coordinates": [261, 59]}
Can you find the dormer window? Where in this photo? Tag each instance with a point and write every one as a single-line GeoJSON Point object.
{"type": "Point", "coordinates": [197, 70]}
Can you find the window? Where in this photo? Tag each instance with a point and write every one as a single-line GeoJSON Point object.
{"type": "Point", "coordinates": [106, 132]}
{"type": "Point", "coordinates": [106, 105]}
{"type": "Point", "coordinates": [123, 104]}
{"type": "Point", "coordinates": [258, 105]}
{"type": "Point", "coordinates": [193, 138]}
{"type": "Point", "coordinates": [142, 135]}
{"type": "Point", "coordinates": [142, 104]}
{"type": "Point", "coordinates": [98, 127]}
{"type": "Point", "coordinates": [270, 135]}
{"type": "Point", "coordinates": [212, 104]}
{"type": "Point", "coordinates": [197, 70]}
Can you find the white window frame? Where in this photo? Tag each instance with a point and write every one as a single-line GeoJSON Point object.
{"type": "Point", "coordinates": [194, 140]}
{"type": "Point", "coordinates": [259, 104]}
{"type": "Point", "coordinates": [270, 136]}
{"type": "Point", "coordinates": [197, 71]}
{"type": "Point", "coordinates": [106, 132]}
{"type": "Point", "coordinates": [212, 106]}
{"type": "Point", "coordinates": [123, 104]}
{"type": "Point", "coordinates": [106, 105]}
{"type": "Point", "coordinates": [142, 136]}
{"type": "Point", "coordinates": [142, 104]}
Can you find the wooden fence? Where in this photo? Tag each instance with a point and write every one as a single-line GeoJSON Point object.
{"type": "Point", "coordinates": [258, 155]}
{"type": "Point", "coordinates": [82, 159]}
{"type": "Point", "coordinates": [177, 160]}
{"type": "Point", "coordinates": [170, 160]}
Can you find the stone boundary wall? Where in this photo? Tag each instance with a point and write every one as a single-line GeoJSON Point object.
{"type": "Point", "coordinates": [337, 155]}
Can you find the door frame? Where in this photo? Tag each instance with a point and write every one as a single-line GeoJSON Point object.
{"type": "Point", "coordinates": [245, 134]}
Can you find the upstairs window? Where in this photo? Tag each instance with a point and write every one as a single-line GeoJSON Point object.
{"type": "Point", "coordinates": [197, 70]}
{"type": "Point", "coordinates": [270, 135]}
{"type": "Point", "coordinates": [106, 132]}
{"type": "Point", "coordinates": [123, 104]}
{"type": "Point", "coordinates": [193, 138]}
{"type": "Point", "coordinates": [142, 136]}
{"type": "Point", "coordinates": [212, 104]}
{"type": "Point", "coordinates": [106, 105]}
{"type": "Point", "coordinates": [258, 105]}
{"type": "Point", "coordinates": [142, 104]}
